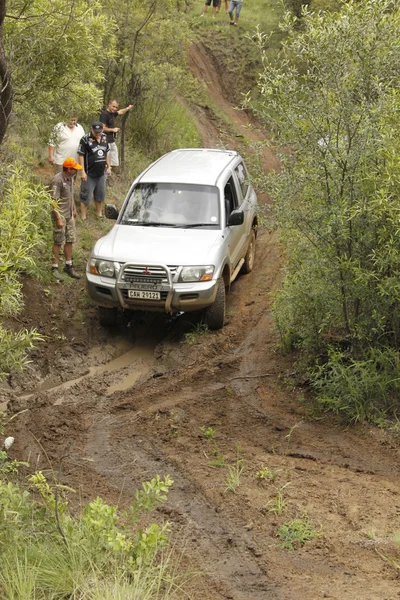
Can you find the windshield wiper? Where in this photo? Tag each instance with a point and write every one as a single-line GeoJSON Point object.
{"type": "Point", "coordinates": [148, 223]}
{"type": "Point", "coordinates": [197, 225]}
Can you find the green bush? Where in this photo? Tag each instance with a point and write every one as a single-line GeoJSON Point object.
{"type": "Point", "coordinates": [48, 553]}
{"type": "Point", "coordinates": [360, 390]}
{"type": "Point", "coordinates": [24, 226]}
{"type": "Point", "coordinates": [333, 98]}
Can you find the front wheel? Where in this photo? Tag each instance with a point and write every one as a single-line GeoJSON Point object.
{"type": "Point", "coordinates": [214, 315]}
{"type": "Point", "coordinates": [250, 254]}
{"type": "Point", "coordinates": [107, 316]}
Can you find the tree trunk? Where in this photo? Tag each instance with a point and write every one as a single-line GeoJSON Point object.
{"type": "Point", "coordinates": [6, 93]}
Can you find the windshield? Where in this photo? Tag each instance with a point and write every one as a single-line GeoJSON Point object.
{"type": "Point", "coordinates": [172, 205]}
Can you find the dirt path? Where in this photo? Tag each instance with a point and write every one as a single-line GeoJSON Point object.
{"type": "Point", "coordinates": [119, 408]}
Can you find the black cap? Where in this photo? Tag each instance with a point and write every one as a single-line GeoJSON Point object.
{"type": "Point", "coordinates": [97, 126]}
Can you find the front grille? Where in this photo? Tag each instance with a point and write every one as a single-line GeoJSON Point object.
{"type": "Point", "coordinates": [143, 274]}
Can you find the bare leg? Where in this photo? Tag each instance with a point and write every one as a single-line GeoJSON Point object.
{"type": "Point", "coordinates": [204, 10]}
{"type": "Point", "coordinates": [56, 253]}
{"type": "Point", "coordinates": [68, 250]}
{"type": "Point", "coordinates": [83, 211]}
{"type": "Point", "coordinates": [98, 208]}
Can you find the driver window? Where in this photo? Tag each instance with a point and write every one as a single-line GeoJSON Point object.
{"type": "Point", "coordinates": [231, 201]}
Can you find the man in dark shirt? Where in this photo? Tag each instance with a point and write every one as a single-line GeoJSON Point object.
{"type": "Point", "coordinates": [63, 216]}
{"type": "Point", "coordinates": [93, 156]}
{"type": "Point", "coordinates": [108, 117]}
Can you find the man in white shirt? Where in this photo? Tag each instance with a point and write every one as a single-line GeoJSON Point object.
{"type": "Point", "coordinates": [64, 142]}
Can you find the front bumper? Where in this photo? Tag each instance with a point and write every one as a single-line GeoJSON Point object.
{"type": "Point", "coordinates": [174, 296]}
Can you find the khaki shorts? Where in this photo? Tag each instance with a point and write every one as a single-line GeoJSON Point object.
{"type": "Point", "coordinates": [65, 235]}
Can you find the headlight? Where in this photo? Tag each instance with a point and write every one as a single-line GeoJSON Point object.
{"type": "Point", "coordinates": [188, 274]}
{"type": "Point", "coordinates": [105, 268]}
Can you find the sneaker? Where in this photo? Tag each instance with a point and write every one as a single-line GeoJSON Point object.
{"type": "Point", "coordinates": [56, 274]}
{"type": "Point", "coordinates": [232, 23]}
{"type": "Point", "coordinates": [70, 271]}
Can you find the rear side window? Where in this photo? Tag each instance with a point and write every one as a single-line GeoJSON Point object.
{"type": "Point", "coordinates": [243, 178]}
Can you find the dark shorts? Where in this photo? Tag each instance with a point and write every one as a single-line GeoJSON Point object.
{"type": "Point", "coordinates": [93, 186]}
{"type": "Point", "coordinates": [215, 3]}
{"type": "Point", "coordinates": [66, 234]}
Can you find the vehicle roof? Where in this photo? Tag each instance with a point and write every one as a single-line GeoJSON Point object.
{"type": "Point", "coordinates": [189, 165]}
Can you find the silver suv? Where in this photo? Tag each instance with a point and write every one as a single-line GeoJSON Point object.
{"type": "Point", "coordinates": [186, 229]}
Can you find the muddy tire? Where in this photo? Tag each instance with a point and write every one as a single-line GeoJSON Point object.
{"type": "Point", "coordinates": [250, 254]}
{"type": "Point", "coordinates": [107, 316]}
{"type": "Point", "coordinates": [214, 315]}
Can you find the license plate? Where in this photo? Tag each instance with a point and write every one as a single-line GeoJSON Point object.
{"type": "Point", "coordinates": [144, 294]}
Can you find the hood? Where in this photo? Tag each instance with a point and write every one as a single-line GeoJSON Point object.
{"type": "Point", "coordinates": [158, 245]}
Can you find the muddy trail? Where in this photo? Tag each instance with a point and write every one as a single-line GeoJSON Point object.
{"type": "Point", "coordinates": [110, 409]}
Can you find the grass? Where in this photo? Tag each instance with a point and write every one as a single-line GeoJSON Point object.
{"type": "Point", "coordinates": [264, 14]}
{"type": "Point", "coordinates": [193, 336]}
{"type": "Point", "coordinates": [295, 533]}
{"type": "Point", "coordinates": [278, 504]}
{"type": "Point", "coordinates": [208, 432]}
{"type": "Point", "coordinates": [232, 479]}
{"type": "Point", "coordinates": [265, 473]}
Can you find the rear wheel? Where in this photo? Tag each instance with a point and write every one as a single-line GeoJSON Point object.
{"type": "Point", "coordinates": [214, 315]}
{"type": "Point", "coordinates": [250, 254]}
{"type": "Point", "coordinates": [107, 316]}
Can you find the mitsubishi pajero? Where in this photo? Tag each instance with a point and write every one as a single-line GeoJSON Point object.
{"type": "Point", "coordinates": [186, 229]}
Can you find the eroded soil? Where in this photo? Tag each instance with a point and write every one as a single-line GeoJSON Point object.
{"type": "Point", "coordinates": [112, 409]}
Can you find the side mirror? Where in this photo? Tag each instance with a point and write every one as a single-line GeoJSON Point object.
{"type": "Point", "coordinates": [236, 217]}
{"type": "Point", "coordinates": [111, 211]}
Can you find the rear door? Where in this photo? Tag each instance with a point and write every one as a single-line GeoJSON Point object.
{"type": "Point", "coordinates": [244, 193]}
{"type": "Point", "coordinates": [233, 234]}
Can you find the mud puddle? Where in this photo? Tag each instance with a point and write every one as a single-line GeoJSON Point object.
{"type": "Point", "coordinates": [136, 357]}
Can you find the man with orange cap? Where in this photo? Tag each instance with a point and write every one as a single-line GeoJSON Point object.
{"type": "Point", "coordinates": [63, 216]}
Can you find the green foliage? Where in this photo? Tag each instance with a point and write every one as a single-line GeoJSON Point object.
{"type": "Point", "coordinates": [295, 533]}
{"type": "Point", "coordinates": [265, 473]}
{"type": "Point", "coordinates": [192, 337]}
{"type": "Point", "coordinates": [24, 214]}
{"type": "Point", "coordinates": [56, 52]}
{"type": "Point", "coordinates": [208, 432]}
{"type": "Point", "coordinates": [278, 504]}
{"type": "Point", "coordinates": [148, 69]}
{"type": "Point", "coordinates": [360, 390]}
{"type": "Point", "coordinates": [333, 99]}
{"type": "Point", "coordinates": [232, 480]}
{"type": "Point", "coordinates": [48, 553]}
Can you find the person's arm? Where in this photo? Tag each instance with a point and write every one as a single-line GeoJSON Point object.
{"type": "Point", "coordinates": [55, 134]}
{"type": "Point", "coordinates": [106, 129]}
{"type": "Point", "coordinates": [50, 149]}
{"type": "Point", "coordinates": [122, 111]}
{"type": "Point", "coordinates": [110, 129]}
{"type": "Point", "coordinates": [55, 195]}
{"type": "Point", "coordinates": [108, 163]}
{"type": "Point", "coordinates": [81, 161]}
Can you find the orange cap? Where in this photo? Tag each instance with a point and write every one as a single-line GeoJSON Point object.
{"type": "Point", "coordinates": [70, 163]}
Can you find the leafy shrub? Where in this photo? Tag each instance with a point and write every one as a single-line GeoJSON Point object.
{"type": "Point", "coordinates": [361, 390]}
{"type": "Point", "coordinates": [332, 99]}
{"type": "Point", "coordinates": [24, 226]}
{"type": "Point", "coordinates": [48, 553]}
{"type": "Point", "coordinates": [295, 533]}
